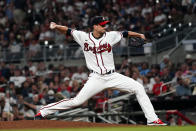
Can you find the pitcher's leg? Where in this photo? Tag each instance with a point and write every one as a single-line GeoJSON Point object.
{"type": "Point", "coordinates": [124, 83]}
{"type": "Point", "coordinates": [145, 103]}
{"type": "Point", "coordinates": [92, 87]}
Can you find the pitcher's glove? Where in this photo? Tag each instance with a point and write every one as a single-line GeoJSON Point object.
{"type": "Point", "coordinates": [136, 41]}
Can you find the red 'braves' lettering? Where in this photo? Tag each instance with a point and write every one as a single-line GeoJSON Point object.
{"type": "Point", "coordinates": [86, 47]}
{"type": "Point", "coordinates": [99, 49]}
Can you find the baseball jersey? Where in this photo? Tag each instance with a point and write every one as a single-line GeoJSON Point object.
{"type": "Point", "coordinates": [98, 52]}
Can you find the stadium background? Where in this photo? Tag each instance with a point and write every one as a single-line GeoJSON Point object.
{"type": "Point", "coordinates": [38, 66]}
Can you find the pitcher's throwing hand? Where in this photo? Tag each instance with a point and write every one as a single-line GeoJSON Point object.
{"type": "Point", "coordinates": [52, 25]}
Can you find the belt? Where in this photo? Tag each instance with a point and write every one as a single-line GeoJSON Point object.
{"type": "Point", "coordinates": [107, 73]}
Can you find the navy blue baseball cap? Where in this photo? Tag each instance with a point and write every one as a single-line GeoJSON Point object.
{"type": "Point", "coordinates": [99, 20]}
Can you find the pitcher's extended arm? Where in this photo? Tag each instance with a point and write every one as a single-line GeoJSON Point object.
{"type": "Point", "coordinates": [60, 28]}
{"type": "Point", "coordinates": [134, 34]}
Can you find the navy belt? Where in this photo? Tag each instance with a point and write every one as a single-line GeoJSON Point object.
{"type": "Point", "coordinates": [107, 73]}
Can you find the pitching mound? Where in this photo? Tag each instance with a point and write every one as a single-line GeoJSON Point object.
{"type": "Point", "coordinates": [50, 124]}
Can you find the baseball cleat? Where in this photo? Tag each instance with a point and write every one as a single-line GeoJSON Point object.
{"type": "Point", "coordinates": [38, 116]}
{"type": "Point", "coordinates": [157, 123]}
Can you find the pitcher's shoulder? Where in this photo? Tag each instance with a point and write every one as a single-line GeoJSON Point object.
{"type": "Point", "coordinates": [113, 33]}
{"type": "Point", "coordinates": [80, 32]}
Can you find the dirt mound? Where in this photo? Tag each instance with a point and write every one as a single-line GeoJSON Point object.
{"type": "Point", "coordinates": [50, 124]}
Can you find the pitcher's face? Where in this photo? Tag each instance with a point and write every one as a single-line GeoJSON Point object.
{"type": "Point", "coordinates": [100, 28]}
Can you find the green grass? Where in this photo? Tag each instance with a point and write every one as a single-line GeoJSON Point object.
{"type": "Point", "coordinates": [143, 128]}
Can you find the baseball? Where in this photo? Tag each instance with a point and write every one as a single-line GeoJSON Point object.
{"type": "Point", "coordinates": [52, 25]}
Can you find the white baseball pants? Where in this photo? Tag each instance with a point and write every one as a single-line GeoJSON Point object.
{"type": "Point", "coordinates": [95, 84]}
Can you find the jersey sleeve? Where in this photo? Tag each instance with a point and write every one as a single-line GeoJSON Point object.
{"type": "Point", "coordinates": [78, 36]}
{"type": "Point", "coordinates": [115, 37]}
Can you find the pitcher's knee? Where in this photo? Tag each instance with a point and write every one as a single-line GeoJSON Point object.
{"type": "Point", "coordinates": [139, 88]}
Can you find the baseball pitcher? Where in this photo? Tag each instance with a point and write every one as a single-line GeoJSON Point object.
{"type": "Point", "coordinates": [97, 47]}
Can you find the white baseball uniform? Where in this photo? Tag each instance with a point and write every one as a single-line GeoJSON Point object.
{"type": "Point", "coordinates": [99, 59]}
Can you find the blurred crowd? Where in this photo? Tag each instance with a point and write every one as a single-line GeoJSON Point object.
{"type": "Point", "coordinates": [24, 90]}
{"type": "Point", "coordinates": [25, 23]}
